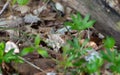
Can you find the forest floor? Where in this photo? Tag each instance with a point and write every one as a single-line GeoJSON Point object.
{"type": "Point", "coordinates": [20, 24]}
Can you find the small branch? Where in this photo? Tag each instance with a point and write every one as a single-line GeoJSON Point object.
{"type": "Point", "coordinates": [31, 64]}
{"type": "Point", "coordinates": [5, 6]}
{"type": "Point", "coordinates": [88, 33]}
{"type": "Point", "coordinates": [39, 10]}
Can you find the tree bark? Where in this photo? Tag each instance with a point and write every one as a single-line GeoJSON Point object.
{"type": "Point", "coordinates": [106, 22]}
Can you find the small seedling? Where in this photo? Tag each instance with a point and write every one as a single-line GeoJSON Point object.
{"type": "Point", "coordinates": [7, 57]}
{"type": "Point", "coordinates": [20, 2]}
{"type": "Point", "coordinates": [78, 23]}
{"type": "Point", "coordinates": [34, 47]}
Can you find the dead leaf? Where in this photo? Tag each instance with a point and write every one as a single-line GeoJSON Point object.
{"type": "Point", "coordinates": [63, 30]}
{"type": "Point", "coordinates": [89, 44]}
{"type": "Point", "coordinates": [39, 9]}
{"type": "Point", "coordinates": [49, 16]}
{"type": "Point", "coordinates": [55, 41]}
{"type": "Point", "coordinates": [92, 55]}
{"type": "Point", "coordinates": [29, 18]}
{"type": "Point", "coordinates": [59, 7]}
{"type": "Point", "coordinates": [23, 9]}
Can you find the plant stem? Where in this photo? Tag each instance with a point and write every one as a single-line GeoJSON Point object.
{"type": "Point", "coordinates": [5, 6]}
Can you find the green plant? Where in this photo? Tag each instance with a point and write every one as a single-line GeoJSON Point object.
{"type": "Point", "coordinates": [111, 55]}
{"type": "Point", "coordinates": [113, 58]}
{"type": "Point", "coordinates": [10, 56]}
{"type": "Point", "coordinates": [20, 2]}
{"type": "Point", "coordinates": [74, 53]}
{"type": "Point", "coordinates": [7, 57]}
{"type": "Point", "coordinates": [74, 57]}
{"type": "Point", "coordinates": [94, 65]}
{"type": "Point", "coordinates": [78, 23]}
{"type": "Point", "coordinates": [34, 47]}
{"type": "Point", "coordinates": [109, 42]}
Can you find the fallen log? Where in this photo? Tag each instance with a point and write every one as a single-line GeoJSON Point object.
{"type": "Point", "coordinates": [106, 21]}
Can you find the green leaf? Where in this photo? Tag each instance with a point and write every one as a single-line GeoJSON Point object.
{"type": "Point", "coordinates": [109, 55]}
{"type": "Point", "coordinates": [26, 51]}
{"type": "Point", "coordinates": [18, 60]}
{"type": "Point", "coordinates": [70, 58]}
{"type": "Point", "coordinates": [109, 42]}
{"type": "Point", "coordinates": [94, 65]}
{"type": "Point", "coordinates": [112, 55]}
{"type": "Point", "coordinates": [105, 56]}
{"type": "Point", "coordinates": [2, 47]}
{"type": "Point", "coordinates": [9, 56]}
{"type": "Point", "coordinates": [85, 20]}
{"type": "Point", "coordinates": [79, 17]}
{"type": "Point", "coordinates": [68, 64]}
{"type": "Point", "coordinates": [37, 40]}
{"type": "Point", "coordinates": [74, 19]}
{"type": "Point", "coordinates": [79, 24]}
{"type": "Point", "coordinates": [115, 68]}
{"type": "Point", "coordinates": [9, 53]}
{"type": "Point", "coordinates": [84, 43]}
{"type": "Point", "coordinates": [1, 60]}
{"type": "Point", "coordinates": [13, 2]}
{"type": "Point", "coordinates": [76, 43]}
{"type": "Point", "coordinates": [89, 24]}
{"type": "Point", "coordinates": [67, 23]}
{"type": "Point", "coordinates": [43, 52]}
{"type": "Point", "coordinates": [66, 48]}
{"type": "Point", "coordinates": [22, 2]}
{"type": "Point", "coordinates": [79, 62]}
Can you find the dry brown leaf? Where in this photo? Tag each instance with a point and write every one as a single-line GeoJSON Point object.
{"type": "Point", "coordinates": [39, 9]}
{"type": "Point", "coordinates": [23, 9]}
{"type": "Point", "coordinates": [55, 41]}
{"type": "Point", "coordinates": [29, 18]}
{"type": "Point", "coordinates": [89, 44]}
{"type": "Point", "coordinates": [50, 16]}
{"type": "Point", "coordinates": [30, 30]}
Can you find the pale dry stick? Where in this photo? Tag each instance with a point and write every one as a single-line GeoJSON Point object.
{"type": "Point", "coordinates": [39, 10]}
{"type": "Point", "coordinates": [31, 64]}
{"type": "Point", "coordinates": [5, 6]}
{"type": "Point", "coordinates": [88, 33]}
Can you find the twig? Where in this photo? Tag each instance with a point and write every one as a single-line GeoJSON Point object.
{"type": "Point", "coordinates": [31, 64]}
{"type": "Point", "coordinates": [5, 6]}
{"type": "Point", "coordinates": [88, 33]}
{"type": "Point", "coordinates": [39, 10]}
